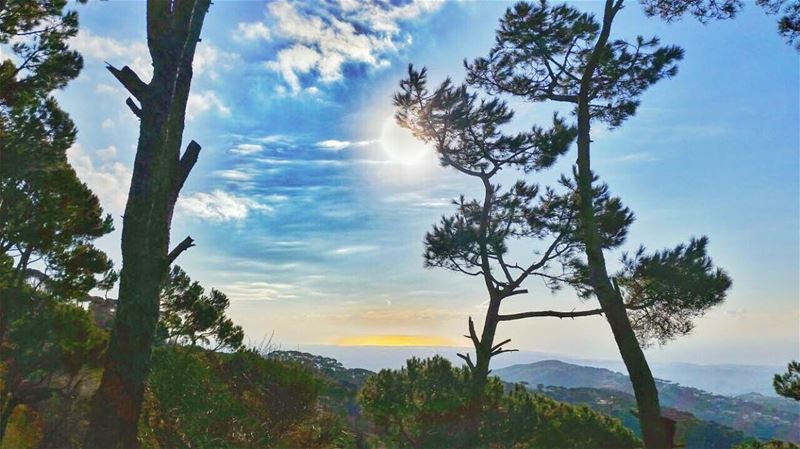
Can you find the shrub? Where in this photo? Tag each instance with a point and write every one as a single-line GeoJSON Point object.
{"type": "Point", "coordinates": [428, 404]}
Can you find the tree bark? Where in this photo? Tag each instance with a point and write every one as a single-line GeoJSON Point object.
{"type": "Point", "coordinates": [610, 299]}
{"type": "Point", "coordinates": [173, 30]}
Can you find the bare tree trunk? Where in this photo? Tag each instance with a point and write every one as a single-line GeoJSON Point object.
{"type": "Point", "coordinates": [483, 347]}
{"type": "Point", "coordinates": [173, 30]}
{"type": "Point", "coordinates": [611, 302]}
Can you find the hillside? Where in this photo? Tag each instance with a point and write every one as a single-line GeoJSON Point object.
{"type": "Point", "coordinates": [754, 415]}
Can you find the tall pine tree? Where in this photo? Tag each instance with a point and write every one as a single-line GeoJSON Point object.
{"type": "Point", "coordinates": [560, 54]}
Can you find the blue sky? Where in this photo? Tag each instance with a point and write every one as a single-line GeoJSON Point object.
{"type": "Point", "coordinates": [309, 205]}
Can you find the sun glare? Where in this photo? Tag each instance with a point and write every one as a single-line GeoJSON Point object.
{"type": "Point", "coordinates": [400, 145]}
{"type": "Point", "coordinates": [394, 340]}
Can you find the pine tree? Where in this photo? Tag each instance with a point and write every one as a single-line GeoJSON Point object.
{"type": "Point", "coordinates": [189, 316]}
{"type": "Point", "coordinates": [559, 54]}
{"type": "Point", "coordinates": [48, 217]}
{"type": "Point", "coordinates": [466, 132]}
{"type": "Point", "coordinates": [788, 383]}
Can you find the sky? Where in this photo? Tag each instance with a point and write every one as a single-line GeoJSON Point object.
{"type": "Point", "coordinates": [309, 204]}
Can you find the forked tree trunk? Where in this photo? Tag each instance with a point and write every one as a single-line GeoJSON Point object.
{"type": "Point", "coordinates": [173, 30]}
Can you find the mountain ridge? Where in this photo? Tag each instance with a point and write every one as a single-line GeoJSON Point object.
{"type": "Point", "coordinates": [755, 415]}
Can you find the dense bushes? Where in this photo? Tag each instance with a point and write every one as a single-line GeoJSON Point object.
{"type": "Point", "coordinates": [203, 399]}
{"type": "Point", "coordinates": [427, 404]}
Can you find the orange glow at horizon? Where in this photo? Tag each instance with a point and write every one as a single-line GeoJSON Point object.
{"type": "Point", "coordinates": [394, 340]}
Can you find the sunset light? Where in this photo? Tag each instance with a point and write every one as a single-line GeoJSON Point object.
{"type": "Point", "coordinates": [395, 340]}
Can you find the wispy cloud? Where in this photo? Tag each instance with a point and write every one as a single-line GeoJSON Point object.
{"type": "Point", "coordinates": [350, 250]}
{"type": "Point", "coordinates": [219, 206]}
{"type": "Point", "coordinates": [233, 175]}
{"type": "Point", "coordinates": [246, 148]}
{"type": "Point", "coordinates": [638, 157]}
{"type": "Point", "coordinates": [337, 145]}
{"type": "Point", "coordinates": [259, 291]}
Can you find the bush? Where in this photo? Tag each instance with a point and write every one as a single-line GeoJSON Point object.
{"type": "Point", "coordinates": [429, 404]}
{"type": "Point", "coordinates": [203, 399]}
{"type": "Point", "coordinates": [772, 444]}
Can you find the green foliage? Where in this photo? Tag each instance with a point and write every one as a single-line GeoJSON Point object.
{"type": "Point", "coordinates": [665, 291]}
{"type": "Point", "coordinates": [48, 347]}
{"type": "Point", "coordinates": [189, 316]}
{"type": "Point", "coordinates": [203, 399]}
{"type": "Point", "coordinates": [788, 383]}
{"type": "Point", "coordinates": [39, 30]}
{"type": "Point", "coordinates": [789, 23]}
{"type": "Point", "coordinates": [467, 130]}
{"type": "Point", "coordinates": [703, 10]}
{"type": "Point", "coordinates": [429, 404]}
{"type": "Point", "coordinates": [46, 212]}
{"type": "Point", "coordinates": [426, 404]}
{"type": "Point", "coordinates": [542, 52]}
{"type": "Point", "coordinates": [772, 444]}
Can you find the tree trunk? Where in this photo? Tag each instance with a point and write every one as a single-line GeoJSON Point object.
{"type": "Point", "coordinates": [483, 348]}
{"type": "Point", "coordinates": [173, 30]}
{"type": "Point", "coordinates": [611, 302]}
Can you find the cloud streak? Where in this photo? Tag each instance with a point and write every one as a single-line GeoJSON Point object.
{"type": "Point", "coordinates": [219, 206]}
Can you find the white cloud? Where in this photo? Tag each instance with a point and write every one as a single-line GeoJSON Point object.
{"type": "Point", "coordinates": [251, 31]}
{"type": "Point", "coordinates": [205, 101]}
{"type": "Point", "coordinates": [337, 145]}
{"type": "Point", "coordinates": [107, 123]}
{"type": "Point", "coordinates": [207, 60]}
{"type": "Point", "coordinates": [333, 144]}
{"type": "Point", "coordinates": [273, 138]}
{"type": "Point", "coordinates": [246, 148]}
{"type": "Point", "coordinates": [294, 60]}
{"type": "Point", "coordinates": [101, 48]}
{"type": "Point", "coordinates": [219, 206]}
{"type": "Point", "coordinates": [254, 291]}
{"type": "Point", "coordinates": [349, 250]}
{"type": "Point", "coordinates": [110, 181]}
{"type": "Point", "coordinates": [233, 175]}
{"type": "Point", "coordinates": [325, 40]}
{"type": "Point", "coordinates": [108, 153]}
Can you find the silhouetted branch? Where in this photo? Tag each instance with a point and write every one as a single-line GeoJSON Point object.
{"type": "Point", "coordinates": [497, 346]}
{"type": "Point", "coordinates": [550, 313]}
{"type": "Point", "coordinates": [187, 243]}
{"type": "Point", "coordinates": [186, 164]}
{"type": "Point", "coordinates": [129, 79]}
{"type": "Point", "coordinates": [467, 359]}
{"type": "Point", "coordinates": [137, 111]}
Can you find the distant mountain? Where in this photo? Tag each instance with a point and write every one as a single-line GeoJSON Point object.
{"type": "Point", "coordinates": [691, 432]}
{"type": "Point", "coordinates": [754, 414]}
{"type": "Point", "coordinates": [727, 379]}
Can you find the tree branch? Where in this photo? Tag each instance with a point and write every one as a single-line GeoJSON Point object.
{"type": "Point", "coordinates": [130, 80]}
{"type": "Point", "coordinates": [497, 346]}
{"type": "Point", "coordinates": [185, 166]}
{"type": "Point", "coordinates": [467, 359]}
{"type": "Point", "coordinates": [472, 334]}
{"type": "Point", "coordinates": [550, 313]}
{"type": "Point", "coordinates": [187, 243]}
{"type": "Point", "coordinates": [137, 111]}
